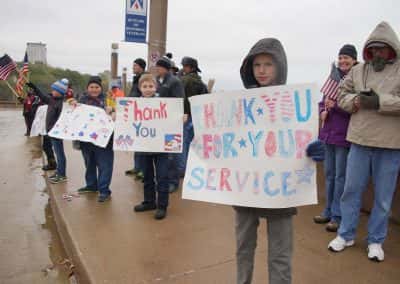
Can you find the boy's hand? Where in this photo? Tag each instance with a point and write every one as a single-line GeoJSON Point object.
{"type": "Point", "coordinates": [113, 115]}
{"type": "Point", "coordinates": [185, 118]}
{"type": "Point", "coordinates": [109, 110]}
{"type": "Point", "coordinates": [72, 102]}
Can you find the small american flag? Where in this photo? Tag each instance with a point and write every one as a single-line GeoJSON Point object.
{"type": "Point", "coordinates": [7, 65]}
{"type": "Point", "coordinates": [19, 87]}
{"type": "Point", "coordinates": [173, 142]}
{"type": "Point", "coordinates": [331, 86]}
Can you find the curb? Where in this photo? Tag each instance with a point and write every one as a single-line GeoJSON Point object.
{"type": "Point", "coordinates": [70, 245]}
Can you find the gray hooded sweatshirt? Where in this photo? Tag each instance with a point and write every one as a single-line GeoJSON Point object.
{"type": "Point", "coordinates": [274, 48]}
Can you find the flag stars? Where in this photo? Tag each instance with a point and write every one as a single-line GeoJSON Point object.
{"type": "Point", "coordinates": [304, 175]}
{"type": "Point", "coordinates": [260, 111]}
{"type": "Point", "coordinates": [242, 143]}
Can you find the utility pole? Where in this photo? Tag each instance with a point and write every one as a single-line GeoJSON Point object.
{"type": "Point", "coordinates": [157, 32]}
{"type": "Point", "coordinates": [114, 61]}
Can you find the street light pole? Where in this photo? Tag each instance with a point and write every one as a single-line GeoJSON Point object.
{"type": "Point", "coordinates": [157, 32]}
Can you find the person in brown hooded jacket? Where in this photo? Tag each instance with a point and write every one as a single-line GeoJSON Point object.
{"type": "Point", "coordinates": [371, 93]}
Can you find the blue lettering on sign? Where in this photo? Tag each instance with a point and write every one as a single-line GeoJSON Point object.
{"type": "Point", "coordinates": [248, 112]}
{"type": "Point", "coordinates": [299, 115]}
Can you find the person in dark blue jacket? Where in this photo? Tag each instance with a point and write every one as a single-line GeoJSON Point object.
{"type": "Point", "coordinates": [98, 161]}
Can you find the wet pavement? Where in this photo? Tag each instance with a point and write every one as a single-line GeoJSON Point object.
{"type": "Point", "coordinates": [29, 246]}
{"type": "Point", "coordinates": [109, 243]}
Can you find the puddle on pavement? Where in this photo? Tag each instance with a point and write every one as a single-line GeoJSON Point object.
{"type": "Point", "coordinates": [36, 220]}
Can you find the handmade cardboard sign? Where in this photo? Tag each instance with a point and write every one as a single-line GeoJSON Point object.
{"type": "Point", "coordinates": [249, 147]}
{"type": "Point", "coordinates": [149, 125]}
{"type": "Point", "coordinates": [39, 123]}
{"type": "Point", "coordinates": [83, 123]}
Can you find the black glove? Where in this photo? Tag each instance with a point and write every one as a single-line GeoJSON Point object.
{"type": "Point", "coordinates": [316, 151]}
{"type": "Point", "coordinates": [31, 85]}
{"type": "Point", "coordinates": [369, 100]}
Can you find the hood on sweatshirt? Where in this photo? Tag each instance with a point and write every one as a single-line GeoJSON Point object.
{"type": "Point", "coordinates": [269, 46]}
{"type": "Point", "coordinates": [383, 33]}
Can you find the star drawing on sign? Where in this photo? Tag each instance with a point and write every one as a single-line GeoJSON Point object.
{"type": "Point", "coordinates": [260, 111]}
{"type": "Point", "coordinates": [242, 143]}
{"type": "Point", "coordinates": [94, 135]}
{"type": "Point", "coordinates": [304, 175]}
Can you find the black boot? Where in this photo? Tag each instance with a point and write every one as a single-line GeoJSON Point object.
{"type": "Point", "coordinates": [161, 213]}
{"type": "Point", "coordinates": [144, 206]}
{"type": "Point", "coordinates": [52, 165]}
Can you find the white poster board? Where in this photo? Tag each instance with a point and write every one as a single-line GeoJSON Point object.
{"type": "Point", "coordinates": [249, 147]}
{"type": "Point", "coordinates": [83, 123]}
{"type": "Point", "coordinates": [149, 125]}
{"type": "Point", "coordinates": [39, 123]}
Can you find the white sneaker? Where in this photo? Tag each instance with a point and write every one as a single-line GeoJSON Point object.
{"type": "Point", "coordinates": [339, 244]}
{"type": "Point", "coordinates": [375, 252]}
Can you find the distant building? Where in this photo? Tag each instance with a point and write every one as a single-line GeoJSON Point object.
{"type": "Point", "coordinates": [37, 52]}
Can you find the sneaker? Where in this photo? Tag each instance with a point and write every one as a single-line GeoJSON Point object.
{"type": "Point", "coordinates": [319, 219]}
{"type": "Point", "coordinates": [58, 179]}
{"type": "Point", "coordinates": [144, 206]}
{"type": "Point", "coordinates": [53, 176]}
{"type": "Point", "coordinates": [339, 244]}
{"type": "Point", "coordinates": [375, 252]}
{"type": "Point", "coordinates": [131, 172]}
{"type": "Point", "coordinates": [139, 176]}
{"type": "Point", "coordinates": [104, 197]}
{"type": "Point", "coordinates": [160, 214]}
{"type": "Point", "coordinates": [332, 226]}
{"type": "Point", "coordinates": [87, 190]}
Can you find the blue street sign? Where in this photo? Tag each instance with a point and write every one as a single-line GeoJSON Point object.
{"type": "Point", "coordinates": [136, 21]}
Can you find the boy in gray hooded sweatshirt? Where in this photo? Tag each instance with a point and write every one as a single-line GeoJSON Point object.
{"type": "Point", "coordinates": [265, 65]}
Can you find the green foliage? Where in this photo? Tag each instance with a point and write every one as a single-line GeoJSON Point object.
{"type": "Point", "coordinates": [43, 76]}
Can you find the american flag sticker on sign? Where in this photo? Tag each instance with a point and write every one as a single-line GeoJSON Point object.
{"type": "Point", "coordinates": [173, 142]}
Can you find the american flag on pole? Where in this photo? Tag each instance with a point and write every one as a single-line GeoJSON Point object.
{"type": "Point", "coordinates": [331, 86]}
{"type": "Point", "coordinates": [7, 65]}
{"type": "Point", "coordinates": [19, 87]}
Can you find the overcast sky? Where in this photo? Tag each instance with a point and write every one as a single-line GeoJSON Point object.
{"type": "Point", "coordinates": [219, 33]}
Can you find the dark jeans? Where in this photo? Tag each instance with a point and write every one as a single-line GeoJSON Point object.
{"type": "Point", "coordinates": [137, 162]}
{"type": "Point", "coordinates": [173, 171]}
{"type": "Point", "coordinates": [58, 147]}
{"type": "Point", "coordinates": [99, 164]}
{"type": "Point", "coordinates": [48, 148]}
{"type": "Point", "coordinates": [156, 181]}
{"type": "Point", "coordinates": [28, 121]}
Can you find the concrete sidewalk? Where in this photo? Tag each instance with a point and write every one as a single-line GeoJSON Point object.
{"type": "Point", "coordinates": [109, 243]}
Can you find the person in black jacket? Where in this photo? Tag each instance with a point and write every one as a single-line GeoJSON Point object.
{"type": "Point", "coordinates": [139, 66]}
{"type": "Point", "coordinates": [193, 86]}
{"type": "Point", "coordinates": [169, 86]}
{"type": "Point", "coordinates": [55, 100]}
{"type": "Point", "coordinates": [99, 161]}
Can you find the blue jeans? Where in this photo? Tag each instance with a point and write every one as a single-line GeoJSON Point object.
{"type": "Point", "coordinates": [58, 147]}
{"type": "Point", "coordinates": [383, 165]}
{"type": "Point", "coordinates": [188, 135]}
{"type": "Point", "coordinates": [99, 167]}
{"type": "Point", "coordinates": [335, 173]}
{"type": "Point", "coordinates": [156, 181]}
